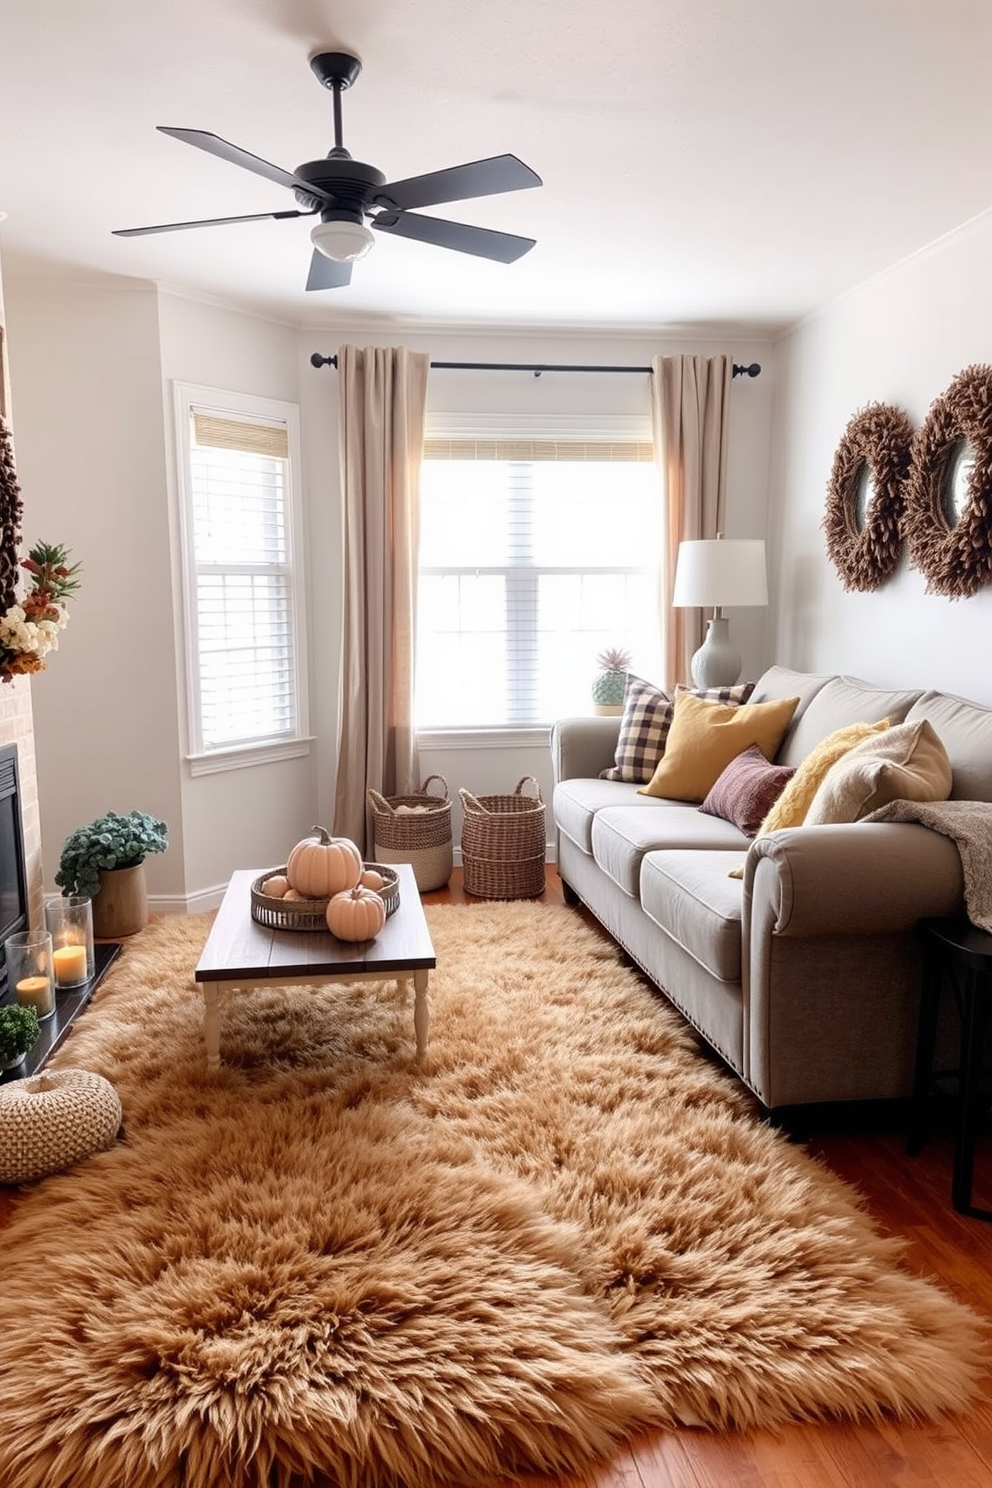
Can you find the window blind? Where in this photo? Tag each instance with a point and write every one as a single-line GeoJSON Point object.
{"type": "Point", "coordinates": [243, 581]}
{"type": "Point", "coordinates": [535, 555]}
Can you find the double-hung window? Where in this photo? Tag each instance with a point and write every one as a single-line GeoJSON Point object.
{"type": "Point", "coordinates": [244, 603]}
{"type": "Point", "coordinates": [535, 554]}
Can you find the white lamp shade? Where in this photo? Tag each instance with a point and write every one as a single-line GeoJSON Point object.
{"type": "Point", "coordinates": [344, 241]}
{"type": "Point", "coordinates": [721, 573]}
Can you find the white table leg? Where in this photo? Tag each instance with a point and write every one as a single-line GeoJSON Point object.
{"type": "Point", "coordinates": [211, 1023]}
{"type": "Point", "coordinates": [421, 1012]}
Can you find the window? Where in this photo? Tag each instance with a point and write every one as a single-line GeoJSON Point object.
{"type": "Point", "coordinates": [245, 660]}
{"type": "Point", "coordinates": [535, 554]}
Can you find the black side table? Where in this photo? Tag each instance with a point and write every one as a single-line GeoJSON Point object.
{"type": "Point", "coordinates": [961, 952]}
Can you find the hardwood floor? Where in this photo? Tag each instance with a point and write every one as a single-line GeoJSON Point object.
{"type": "Point", "coordinates": [908, 1197]}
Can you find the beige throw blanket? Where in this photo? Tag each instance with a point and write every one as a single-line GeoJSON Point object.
{"type": "Point", "coordinates": [969, 823]}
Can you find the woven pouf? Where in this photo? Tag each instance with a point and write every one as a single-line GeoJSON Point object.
{"type": "Point", "coordinates": [50, 1120]}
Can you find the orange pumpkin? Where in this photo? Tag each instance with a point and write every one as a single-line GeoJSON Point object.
{"type": "Point", "coordinates": [371, 880]}
{"type": "Point", "coordinates": [323, 865]}
{"type": "Point", "coordinates": [276, 886]}
{"type": "Point", "coordinates": [356, 914]}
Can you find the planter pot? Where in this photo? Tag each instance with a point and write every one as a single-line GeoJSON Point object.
{"type": "Point", "coordinates": [12, 1064]}
{"type": "Point", "coordinates": [121, 907]}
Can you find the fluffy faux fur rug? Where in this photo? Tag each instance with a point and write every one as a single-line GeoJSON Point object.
{"type": "Point", "coordinates": [325, 1266]}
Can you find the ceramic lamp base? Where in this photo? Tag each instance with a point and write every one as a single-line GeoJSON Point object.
{"type": "Point", "coordinates": [716, 663]}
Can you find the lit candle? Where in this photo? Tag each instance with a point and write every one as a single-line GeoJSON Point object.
{"type": "Point", "coordinates": [36, 991]}
{"type": "Point", "coordinates": [70, 965]}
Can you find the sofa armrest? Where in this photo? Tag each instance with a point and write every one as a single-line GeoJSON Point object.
{"type": "Point", "coordinates": [582, 747]}
{"type": "Point", "coordinates": [856, 878]}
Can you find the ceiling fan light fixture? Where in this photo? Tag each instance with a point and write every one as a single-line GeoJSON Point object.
{"type": "Point", "coordinates": [344, 241]}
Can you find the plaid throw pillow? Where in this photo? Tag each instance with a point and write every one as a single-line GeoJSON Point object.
{"type": "Point", "coordinates": [647, 717]}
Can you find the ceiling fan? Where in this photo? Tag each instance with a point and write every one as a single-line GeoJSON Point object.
{"type": "Point", "coordinates": [348, 195]}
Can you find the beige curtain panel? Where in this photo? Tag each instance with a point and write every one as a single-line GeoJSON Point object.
{"type": "Point", "coordinates": [690, 409]}
{"type": "Point", "coordinates": [382, 396]}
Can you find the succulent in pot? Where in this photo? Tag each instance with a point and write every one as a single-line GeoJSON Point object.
{"type": "Point", "coordinates": [610, 682]}
{"type": "Point", "coordinates": [112, 841]}
{"type": "Point", "coordinates": [19, 1030]}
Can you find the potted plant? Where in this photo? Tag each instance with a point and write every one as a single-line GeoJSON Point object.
{"type": "Point", "coordinates": [105, 860]}
{"type": "Point", "coordinates": [19, 1030]}
{"type": "Point", "coordinates": [610, 682]}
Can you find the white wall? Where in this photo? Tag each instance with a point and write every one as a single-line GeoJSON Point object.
{"type": "Point", "coordinates": [248, 817]}
{"type": "Point", "coordinates": [900, 339]}
{"type": "Point", "coordinates": [92, 366]}
{"type": "Point", "coordinates": [86, 380]}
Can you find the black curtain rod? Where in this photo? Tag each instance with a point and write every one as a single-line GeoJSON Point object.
{"type": "Point", "coordinates": [536, 367]}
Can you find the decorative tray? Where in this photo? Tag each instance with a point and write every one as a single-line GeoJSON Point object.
{"type": "Point", "coordinates": [311, 914]}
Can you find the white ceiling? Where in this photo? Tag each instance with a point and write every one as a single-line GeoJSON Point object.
{"type": "Point", "coordinates": [706, 163]}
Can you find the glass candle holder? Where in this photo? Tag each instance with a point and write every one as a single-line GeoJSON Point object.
{"type": "Point", "coordinates": [70, 924]}
{"type": "Point", "coordinates": [30, 973]}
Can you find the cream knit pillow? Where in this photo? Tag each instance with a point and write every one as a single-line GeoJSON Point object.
{"type": "Point", "coordinates": [906, 763]}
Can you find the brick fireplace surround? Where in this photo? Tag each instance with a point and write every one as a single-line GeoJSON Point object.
{"type": "Point", "coordinates": [17, 727]}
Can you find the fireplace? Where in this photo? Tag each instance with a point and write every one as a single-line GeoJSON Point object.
{"type": "Point", "coordinates": [13, 879]}
{"type": "Point", "coordinates": [15, 915]}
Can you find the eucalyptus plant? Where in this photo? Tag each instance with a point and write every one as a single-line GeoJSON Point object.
{"type": "Point", "coordinates": [112, 841]}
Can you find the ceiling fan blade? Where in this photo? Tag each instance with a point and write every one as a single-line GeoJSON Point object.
{"type": "Point", "coordinates": [138, 232]}
{"type": "Point", "coordinates": [490, 177]}
{"type": "Point", "coordinates": [482, 241]}
{"type": "Point", "coordinates": [214, 145]}
{"type": "Point", "coordinates": [327, 273]}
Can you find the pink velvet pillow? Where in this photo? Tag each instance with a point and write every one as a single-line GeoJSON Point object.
{"type": "Point", "coordinates": [746, 790]}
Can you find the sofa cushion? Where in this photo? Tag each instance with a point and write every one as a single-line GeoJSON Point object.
{"type": "Point", "coordinates": [647, 718]}
{"type": "Point", "coordinates": [905, 763]}
{"type": "Point", "coordinates": [705, 737]}
{"type": "Point", "coordinates": [746, 790]}
{"type": "Point", "coordinates": [622, 836]}
{"type": "Point", "coordinates": [690, 896]}
{"type": "Point", "coordinates": [965, 730]}
{"type": "Point", "coordinates": [576, 802]}
{"type": "Point", "coordinates": [840, 701]}
{"type": "Point", "coordinates": [780, 682]}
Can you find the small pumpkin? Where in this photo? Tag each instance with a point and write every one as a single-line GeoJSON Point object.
{"type": "Point", "coordinates": [356, 914]}
{"type": "Point", "coordinates": [276, 886]}
{"type": "Point", "coordinates": [322, 865]}
{"type": "Point", "coordinates": [370, 879]}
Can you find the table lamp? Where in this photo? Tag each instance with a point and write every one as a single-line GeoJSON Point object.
{"type": "Point", "coordinates": [718, 573]}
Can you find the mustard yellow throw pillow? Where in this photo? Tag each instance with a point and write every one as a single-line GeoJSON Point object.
{"type": "Point", "coordinates": [906, 763]}
{"type": "Point", "coordinates": [706, 736]}
{"type": "Point", "coordinates": [792, 805]}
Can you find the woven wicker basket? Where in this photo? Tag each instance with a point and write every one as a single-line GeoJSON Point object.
{"type": "Point", "coordinates": [419, 835]}
{"type": "Point", "coordinates": [503, 844]}
{"type": "Point", "coordinates": [311, 914]}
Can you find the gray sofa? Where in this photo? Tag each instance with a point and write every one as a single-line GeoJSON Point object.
{"type": "Point", "coordinates": [804, 974]}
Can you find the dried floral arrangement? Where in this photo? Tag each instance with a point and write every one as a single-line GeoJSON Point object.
{"type": "Point", "coordinates": [29, 626]}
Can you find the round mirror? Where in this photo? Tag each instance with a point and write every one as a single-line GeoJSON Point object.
{"type": "Point", "coordinates": [960, 464]}
{"type": "Point", "coordinates": [864, 495]}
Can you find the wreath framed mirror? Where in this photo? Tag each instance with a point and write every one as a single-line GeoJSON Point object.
{"type": "Point", "coordinates": [949, 492]}
{"type": "Point", "coordinates": [866, 496]}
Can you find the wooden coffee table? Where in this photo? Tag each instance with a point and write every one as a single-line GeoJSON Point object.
{"type": "Point", "coordinates": [242, 953]}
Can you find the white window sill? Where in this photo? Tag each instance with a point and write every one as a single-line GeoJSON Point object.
{"type": "Point", "coordinates": [241, 758]}
{"type": "Point", "coordinates": [485, 738]}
